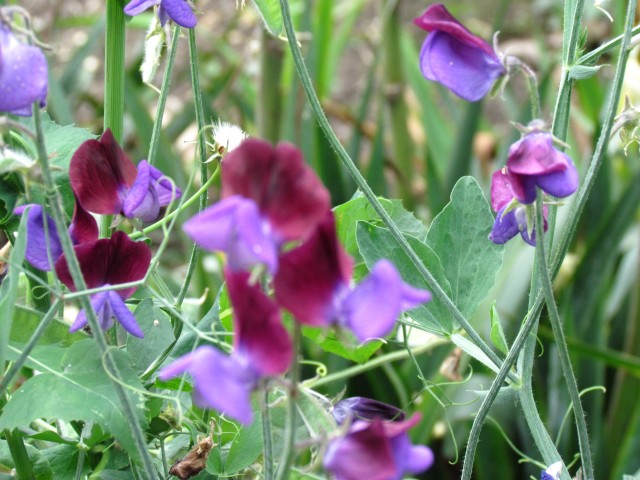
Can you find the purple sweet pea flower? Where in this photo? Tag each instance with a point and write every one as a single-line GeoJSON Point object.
{"type": "Point", "coordinates": [534, 162]}
{"type": "Point", "coordinates": [377, 451]}
{"type": "Point", "coordinates": [553, 472]}
{"type": "Point", "coordinates": [43, 246]}
{"type": "Point", "coordinates": [23, 75]}
{"type": "Point", "coordinates": [361, 408]}
{"type": "Point", "coordinates": [177, 10]}
{"type": "Point", "coordinates": [454, 57]}
{"type": "Point", "coordinates": [106, 181]}
{"type": "Point", "coordinates": [106, 262]}
{"type": "Point", "coordinates": [262, 347]}
{"type": "Point", "coordinates": [312, 282]}
{"type": "Point", "coordinates": [269, 196]}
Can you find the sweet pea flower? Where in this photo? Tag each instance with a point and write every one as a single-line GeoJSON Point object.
{"type": "Point", "coordinates": [262, 347]}
{"type": "Point", "coordinates": [23, 74]}
{"type": "Point", "coordinates": [107, 262]}
{"type": "Point", "coordinates": [377, 450]}
{"type": "Point", "coordinates": [361, 408]}
{"type": "Point", "coordinates": [553, 472]}
{"type": "Point", "coordinates": [269, 196]}
{"type": "Point", "coordinates": [534, 162]}
{"type": "Point", "coordinates": [177, 10]}
{"type": "Point", "coordinates": [313, 283]}
{"type": "Point", "coordinates": [43, 245]}
{"type": "Point", "coordinates": [454, 57]}
{"type": "Point", "coordinates": [106, 181]}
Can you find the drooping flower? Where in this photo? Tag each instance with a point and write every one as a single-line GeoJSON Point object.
{"type": "Point", "coordinates": [553, 472]}
{"type": "Point", "coordinates": [104, 263]}
{"type": "Point", "coordinates": [43, 244]}
{"type": "Point", "coordinates": [177, 10]}
{"type": "Point", "coordinates": [534, 162]}
{"type": "Point", "coordinates": [313, 283]}
{"type": "Point", "coordinates": [23, 74]}
{"type": "Point", "coordinates": [262, 347]}
{"type": "Point", "coordinates": [454, 57]}
{"type": "Point", "coordinates": [269, 196]}
{"type": "Point", "coordinates": [106, 181]}
{"type": "Point", "coordinates": [361, 408]}
{"type": "Point", "coordinates": [377, 450]}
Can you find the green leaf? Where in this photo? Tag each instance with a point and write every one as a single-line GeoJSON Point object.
{"type": "Point", "coordinates": [497, 334]}
{"type": "Point", "coordinates": [26, 320]}
{"type": "Point", "coordinates": [459, 237]}
{"type": "Point", "coordinates": [271, 15]}
{"type": "Point", "coordinates": [158, 335]}
{"type": "Point", "coordinates": [49, 436]}
{"type": "Point", "coordinates": [246, 447]}
{"type": "Point", "coordinates": [80, 390]}
{"type": "Point", "coordinates": [376, 243]}
{"type": "Point", "coordinates": [9, 191]}
{"type": "Point", "coordinates": [581, 72]}
{"type": "Point", "coordinates": [470, 348]}
{"type": "Point", "coordinates": [339, 343]}
{"type": "Point", "coordinates": [41, 468]}
{"type": "Point", "coordinates": [315, 416]}
{"type": "Point", "coordinates": [63, 460]}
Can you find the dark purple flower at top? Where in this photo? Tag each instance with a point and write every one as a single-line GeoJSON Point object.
{"type": "Point", "coordinates": [377, 451]}
{"type": "Point", "coordinates": [361, 408]}
{"type": "Point", "coordinates": [534, 162]}
{"type": "Point", "coordinates": [106, 181]}
{"type": "Point", "coordinates": [177, 10]}
{"type": "Point", "coordinates": [108, 262]}
{"type": "Point", "coordinates": [23, 74]}
{"type": "Point", "coordinates": [454, 57]}
{"type": "Point", "coordinates": [313, 283]}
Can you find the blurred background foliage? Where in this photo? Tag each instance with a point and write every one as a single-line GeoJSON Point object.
{"type": "Point", "coordinates": [413, 140]}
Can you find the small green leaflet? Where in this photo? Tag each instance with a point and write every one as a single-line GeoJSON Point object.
{"type": "Point", "coordinates": [271, 15]}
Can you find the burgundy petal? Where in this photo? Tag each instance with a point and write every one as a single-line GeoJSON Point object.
{"type": "Point", "coordinates": [259, 333]}
{"type": "Point", "coordinates": [94, 258]}
{"type": "Point", "coordinates": [312, 276]}
{"type": "Point", "coordinates": [83, 227]}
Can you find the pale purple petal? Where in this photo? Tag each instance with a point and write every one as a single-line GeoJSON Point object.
{"type": "Point", "coordinates": [165, 190]}
{"type": "Point", "coordinates": [138, 6]}
{"type": "Point", "coordinates": [98, 302]}
{"type": "Point", "coordinates": [411, 458]}
{"type": "Point", "coordinates": [43, 247]}
{"type": "Point", "coordinates": [560, 184]}
{"type": "Point", "coordinates": [142, 201]}
{"type": "Point", "coordinates": [505, 227]}
{"type": "Point", "coordinates": [124, 315]}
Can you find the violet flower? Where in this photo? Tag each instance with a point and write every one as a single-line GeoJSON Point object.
{"type": "Point", "coordinates": [177, 10]}
{"type": "Point", "coordinates": [313, 279]}
{"type": "Point", "coordinates": [534, 162]}
{"type": "Point", "coordinates": [454, 57]}
{"type": "Point", "coordinates": [553, 472]}
{"type": "Point", "coordinates": [269, 196]}
{"type": "Point", "coordinates": [23, 74]}
{"type": "Point", "coordinates": [43, 245]}
{"type": "Point", "coordinates": [361, 408]}
{"type": "Point", "coordinates": [377, 451]}
{"type": "Point", "coordinates": [107, 262]}
{"type": "Point", "coordinates": [262, 347]}
{"type": "Point", "coordinates": [106, 181]}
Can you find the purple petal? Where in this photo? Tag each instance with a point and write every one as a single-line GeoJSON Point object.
{"type": "Point", "coordinates": [43, 248]}
{"type": "Point", "coordinates": [361, 408]}
{"type": "Point", "coordinates": [124, 315]}
{"type": "Point", "coordinates": [163, 16]}
{"type": "Point", "coordinates": [141, 201]}
{"type": "Point", "coordinates": [180, 12]}
{"type": "Point", "coordinates": [501, 190]}
{"type": "Point", "coordinates": [560, 184]}
{"type": "Point", "coordinates": [138, 6]}
{"type": "Point", "coordinates": [505, 227]}
{"type": "Point", "coordinates": [23, 75]}
{"type": "Point", "coordinates": [98, 302]}
{"type": "Point", "coordinates": [411, 458]}
{"type": "Point", "coordinates": [534, 154]}
{"type": "Point", "coordinates": [165, 190]}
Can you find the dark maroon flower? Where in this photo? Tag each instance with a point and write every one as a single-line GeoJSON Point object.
{"type": "Point", "coordinates": [108, 262]}
{"type": "Point", "coordinates": [454, 57]}
{"type": "Point", "coordinates": [377, 450]}
{"type": "Point", "coordinates": [361, 408]}
{"type": "Point", "coordinates": [313, 283]}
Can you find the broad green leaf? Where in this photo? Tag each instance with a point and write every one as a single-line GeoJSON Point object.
{"type": "Point", "coordinates": [497, 333]}
{"type": "Point", "coordinates": [459, 237]}
{"type": "Point", "coordinates": [376, 243]}
{"type": "Point", "coordinates": [41, 468]}
{"type": "Point", "coordinates": [271, 15]}
{"type": "Point", "coordinates": [26, 320]}
{"type": "Point", "coordinates": [49, 436]}
{"type": "Point", "coordinates": [341, 343]}
{"type": "Point", "coordinates": [81, 390]}
{"type": "Point", "coordinates": [246, 447]}
{"type": "Point", "coordinates": [158, 335]}
{"type": "Point", "coordinates": [63, 460]}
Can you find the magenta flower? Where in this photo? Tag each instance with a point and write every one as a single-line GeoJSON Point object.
{"type": "Point", "coordinates": [454, 57]}
{"type": "Point", "coordinates": [43, 245]}
{"type": "Point", "coordinates": [262, 347]}
{"type": "Point", "coordinates": [377, 450]}
{"type": "Point", "coordinates": [313, 283]}
{"type": "Point", "coordinates": [361, 408]}
{"type": "Point", "coordinates": [23, 74]}
{"type": "Point", "coordinates": [105, 181]}
{"type": "Point", "coordinates": [177, 10]}
{"type": "Point", "coordinates": [534, 162]}
{"type": "Point", "coordinates": [269, 196]}
{"type": "Point", "coordinates": [107, 262]}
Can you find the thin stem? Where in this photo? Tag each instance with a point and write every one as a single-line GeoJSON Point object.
{"type": "Point", "coordinates": [114, 49]}
{"type": "Point", "coordinates": [19, 455]}
{"type": "Point", "coordinates": [270, 106]}
{"type": "Point", "coordinates": [561, 343]}
{"type": "Point", "coordinates": [593, 55]}
{"type": "Point", "coordinates": [437, 290]}
{"type": "Point", "coordinates": [162, 100]}
{"type": "Point", "coordinates": [266, 436]}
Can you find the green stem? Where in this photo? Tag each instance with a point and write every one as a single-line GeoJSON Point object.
{"type": "Point", "coordinates": [38, 294]}
{"type": "Point", "coordinates": [270, 106]}
{"type": "Point", "coordinates": [593, 55]}
{"type": "Point", "coordinates": [57, 212]}
{"type": "Point", "coordinates": [114, 48]}
{"type": "Point", "coordinates": [162, 100]}
{"type": "Point", "coordinates": [23, 465]}
{"type": "Point", "coordinates": [437, 290]}
{"type": "Point", "coordinates": [266, 436]}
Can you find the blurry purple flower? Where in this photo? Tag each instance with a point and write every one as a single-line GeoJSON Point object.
{"type": "Point", "coordinates": [377, 451]}
{"type": "Point", "coordinates": [553, 472]}
{"type": "Point", "coordinates": [262, 347]}
{"type": "Point", "coordinates": [534, 162]}
{"type": "Point", "coordinates": [361, 408]}
{"type": "Point", "coordinates": [177, 10]}
{"type": "Point", "coordinates": [23, 74]}
{"type": "Point", "coordinates": [454, 57]}
{"type": "Point", "coordinates": [270, 196]}
{"type": "Point", "coordinates": [43, 246]}
{"type": "Point", "coordinates": [107, 262]}
{"type": "Point", "coordinates": [105, 181]}
{"type": "Point", "coordinates": [312, 282]}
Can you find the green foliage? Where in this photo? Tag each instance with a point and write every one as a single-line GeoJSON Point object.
{"type": "Point", "coordinates": [271, 15]}
{"type": "Point", "coordinates": [158, 335]}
